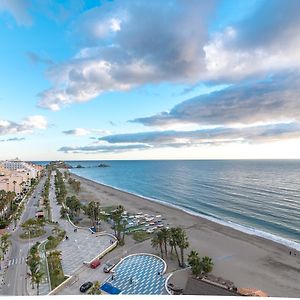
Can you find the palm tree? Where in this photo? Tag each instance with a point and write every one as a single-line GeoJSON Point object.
{"type": "Point", "coordinates": [95, 290]}
{"type": "Point", "coordinates": [14, 183]}
{"type": "Point", "coordinates": [93, 210]}
{"type": "Point", "coordinates": [165, 235]}
{"type": "Point", "coordinates": [33, 263]}
{"type": "Point", "coordinates": [119, 224]}
{"type": "Point", "coordinates": [195, 262]}
{"type": "Point", "coordinates": [193, 256]}
{"type": "Point", "coordinates": [174, 232]}
{"type": "Point", "coordinates": [37, 279]}
{"type": "Point", "coordinates": [55, 258]}
{"type": "Point", "coordinates": [157, 241]}
{"type": "Point", "coordinates": [182, 243]}
{"type": "Point", "coordinates": [4, 244]}
{"type": "Point", "coordinates": [207, 264]}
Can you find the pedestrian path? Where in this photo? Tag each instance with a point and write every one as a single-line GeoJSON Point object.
{"type": "Point", "coordinates": [17, 261]}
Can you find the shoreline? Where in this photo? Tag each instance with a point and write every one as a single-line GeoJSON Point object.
{"type": "Point", "coordinates": [249, 261]}
{"type": "Point", "coordinates": [280, 241]}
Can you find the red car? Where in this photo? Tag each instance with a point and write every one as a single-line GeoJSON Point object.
{"type": "Point", "coordinates": [95, 263]}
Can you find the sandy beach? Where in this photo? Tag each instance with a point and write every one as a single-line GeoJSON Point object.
{"type": "Point", "coordinates": [247, 260]}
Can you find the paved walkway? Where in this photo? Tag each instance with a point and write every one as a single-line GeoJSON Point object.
{"type": "Point", "coordinates": [81, 246]}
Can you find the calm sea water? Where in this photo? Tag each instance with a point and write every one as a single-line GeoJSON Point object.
{"type": "Point", "coordinates": [260, 197]}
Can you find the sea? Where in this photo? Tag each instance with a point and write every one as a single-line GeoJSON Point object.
{"type": "Point", "coordinates": [259, 197]}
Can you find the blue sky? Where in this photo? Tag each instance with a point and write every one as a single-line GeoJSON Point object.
{"type": "Point", "coordinates": [133, 79]}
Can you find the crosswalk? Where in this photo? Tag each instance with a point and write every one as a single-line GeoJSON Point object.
{"type": "Point", "coordinates": [17, 261]}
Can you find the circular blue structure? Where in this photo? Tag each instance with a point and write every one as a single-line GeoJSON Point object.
{"type": "Point", "coordinates": [138, 274]}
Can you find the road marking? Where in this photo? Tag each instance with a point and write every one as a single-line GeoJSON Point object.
{"type": "Point", "coordinates": [16, 261]}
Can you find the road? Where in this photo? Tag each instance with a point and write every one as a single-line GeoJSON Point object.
{"type": "Point", "coordinates": [15, 282]}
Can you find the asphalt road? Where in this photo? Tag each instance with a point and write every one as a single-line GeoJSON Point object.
{"type": "Point", "coordinates": [15, 282]}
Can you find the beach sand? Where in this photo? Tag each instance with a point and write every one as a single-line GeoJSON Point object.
{"type": "Point", "coordinates": [248, 261]}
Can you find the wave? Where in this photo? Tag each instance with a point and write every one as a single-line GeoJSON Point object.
{"type": "Point", "coordinates": [245, 229]}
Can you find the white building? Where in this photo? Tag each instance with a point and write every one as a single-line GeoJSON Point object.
{"type": "Point", "coordinates": [15, 175]}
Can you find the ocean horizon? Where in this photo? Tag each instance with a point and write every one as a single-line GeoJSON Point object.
{"type": "Point", "coordinates": [259, 197]}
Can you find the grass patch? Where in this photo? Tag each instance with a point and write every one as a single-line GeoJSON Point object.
{"type": "Point", "coordinates": [37, 233]}
{"type": "Point", "coordinates": [56, 273]}
{"type": "Point", "coordinates": [141, 236]}
{"type": "Point", "coordinates": [53, 241]}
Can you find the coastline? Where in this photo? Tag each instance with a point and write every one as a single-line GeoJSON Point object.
{"type": "Point", "coordinates": [289, 244]}
{"type": "Point", "coordinates": [248, 260]}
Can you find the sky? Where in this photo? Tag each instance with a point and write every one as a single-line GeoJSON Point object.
{"type": "Point", "coordinates": [134, 79]}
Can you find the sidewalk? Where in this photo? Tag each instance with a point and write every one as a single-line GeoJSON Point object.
{"type": "Point", "coordinates": [4, 266]}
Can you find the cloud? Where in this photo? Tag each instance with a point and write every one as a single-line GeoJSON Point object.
{"type": "Point", "coordinates": [219, 135]}
{"type": "Point", "coordinates": [35, 58]}
{"type": "Point", "coordinates": [103, 148]}
{"type": "Point", "coordinates": [183, 139]}
{"type": "Point", "coordinates": [26, 126]}
{"type": "Point", "coordinates": [132, 44]}
{"type": "Point", "coordinates": [275, 99]}
{"type": "Point", "coordinates": [15, 139]}
{"type": "Point", "coordinates": [266, 41]}
{"type": "Point", "coordinates": [83, 131]}
{"type": "Point", "coordinates": [283, 19]}
{"type": "Point", "coordinates": [77, 132]}
{"type": "Point", "coordinates": [18, 9]}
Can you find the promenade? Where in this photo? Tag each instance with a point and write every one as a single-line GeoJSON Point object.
{"type": "Point", "coordinates": [81, 245]}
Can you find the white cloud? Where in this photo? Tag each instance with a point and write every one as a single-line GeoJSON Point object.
{"type": "Point", "coordinates": [28, 125]}
{"type": "Point", "coordinates": [84, 132]}
{"type": "Point", "coordinates": [36, 122]}
{"type": "Point", "coordinates": [77, 132]}
{"type": "Point", "coordinates": [131, 43]}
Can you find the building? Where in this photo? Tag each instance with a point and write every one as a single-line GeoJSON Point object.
{"type": "Point", "coordinates": [16, 175]}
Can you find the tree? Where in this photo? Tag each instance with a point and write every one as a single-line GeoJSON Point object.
{"type": "Point", "coordinates": [157, 241]}
{"type": "Point", "coordinates": [33, 267]}
{"type": "Point", "coordinates": [119, 224]}
{"type": "Point", "coordinates": [207, 264]}
{"type": "Point", "coordinates": [174, 232]}
{"type": "Point", "coordinates": [63, 212]}
{"type": "Point", "coordinates": [93, 210]}
{"type": "Point", "coordinates": [195, 263]}
{"type": "Point", "coordinates": [14, 183]}
{"type": "Point", "coordinates": [55, 258]}
{"type": "Point", "coordinates": [4, 245]}
{"type": "Point", "coordinates": [95, 290]}
{"type": "Point", "coordinates": [182, 242]}
{"type": "Point", "coordinates": [32, 226]}
{"type": "Point", "coordinates": [165, 236]}
{"type": "Point", "coordinates": [37, 279]}
{"type": "Point", "coordinates": [29, 226]}
{"type": "Point", "coordinates": [74, 205]}
{"type": "Point", "coordinates": [33, 262]}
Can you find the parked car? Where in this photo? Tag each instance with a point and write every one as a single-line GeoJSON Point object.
{"type": "Point", "coordinates": [108, 267]}
{"type": "Point", "coordinates": [95, 263]}
{"type": "Point", "coordinates": [85, 286]}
